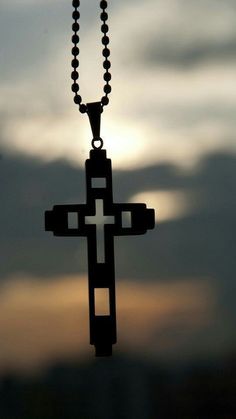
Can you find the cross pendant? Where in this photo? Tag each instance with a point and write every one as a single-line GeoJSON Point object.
{"type": "Point", "coordinates": [117, 220]}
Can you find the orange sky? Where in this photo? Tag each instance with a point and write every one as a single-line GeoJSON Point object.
{"type": "Point", "coordinates": [46, 320]}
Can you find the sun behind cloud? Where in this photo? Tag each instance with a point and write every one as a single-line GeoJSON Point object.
{"type": "Point", "coordinates": [168, 205]}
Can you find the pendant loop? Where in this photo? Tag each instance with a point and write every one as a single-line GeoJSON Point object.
{"type": "Point", "coordinates": [94, 111]}
{"type": "Point", "coordinates": [99, 146]}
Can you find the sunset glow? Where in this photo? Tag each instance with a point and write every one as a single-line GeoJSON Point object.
{"type": "Point", "coordinates": [52, 317]}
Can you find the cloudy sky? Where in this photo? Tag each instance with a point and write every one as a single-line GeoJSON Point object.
{"type": "Point", "coordinates": [170, 131]}
{"type": "Point", "coordinates": [173, 69]}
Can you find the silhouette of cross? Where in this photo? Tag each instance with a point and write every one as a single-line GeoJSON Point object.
{"type": "Point", "coordinates": [115, 220]}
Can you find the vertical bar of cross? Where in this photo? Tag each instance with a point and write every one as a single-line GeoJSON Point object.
{"type": "Point", "coordinates": [101, 275]}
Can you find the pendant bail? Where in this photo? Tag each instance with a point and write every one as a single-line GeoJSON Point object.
{"type": "Point", "coordinates": [94, 111]}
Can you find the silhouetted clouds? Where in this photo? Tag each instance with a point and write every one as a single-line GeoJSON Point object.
{"type": "Point", "coordinates": [195, 35]}
{"type": "Point", "coordinates": [201, 243]}
{"type": "Point", "coordinates": [192, 54]}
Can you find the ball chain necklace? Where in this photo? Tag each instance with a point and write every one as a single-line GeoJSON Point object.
{"type": "Point", "coordinates": [114, 219]}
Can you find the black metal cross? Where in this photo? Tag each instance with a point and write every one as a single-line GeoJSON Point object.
{"type": "Point", "coordinates": [83, 220]}
{"type": "Point", "coordinates": [117, 220]}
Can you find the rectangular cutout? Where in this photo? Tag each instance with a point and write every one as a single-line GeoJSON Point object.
{"type": "Point", "coordinates": [126, 219]}
{"type": "Point", "coordinates": [99, 182]}
{"type": "Point", "coordinates": [100, 245]}
{"type": "Point", "coordinates": [102, 301]}
{"type": "Point", "coordinates": [73, 220]}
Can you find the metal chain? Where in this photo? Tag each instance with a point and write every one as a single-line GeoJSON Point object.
{"type": "Point", "coordinates": [75, 53]}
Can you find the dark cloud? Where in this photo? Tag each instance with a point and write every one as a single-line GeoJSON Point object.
{"type": "Point", "coordinates": [172, 52]}
{"type": "Point", "coordinates": [191, 34]}
{"type": "Point", "coordinates": [199, 244]}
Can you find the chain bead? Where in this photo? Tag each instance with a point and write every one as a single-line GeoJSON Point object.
{"type": "Point", "coordinates": [104, 28]}
{"type": "Point", "coordinates": [106, 52]}
{"type": "Point", "coordinates": [76, 3]}
{"type": "Point", "coordinates": [75, 63]}
{"type": "Point", "coordinates": [75, 26]}
{"type": "Point", "coordinates": [74, 75]}
{"type": "Point", "coordinates": [75, 39]}
{"type": "Point", "coordinates": [105, 100]}
{"type": "Point", "coordinates": [75, 87]}
{"type": "Point", "coordinates": [105, 40]}
{"type": "Point", "coordinates": [104, 16]}
{"type": "Point", "coordinates": [107, 76]}
{"type": "Point", "coordinates": [77, 99]}
{"type": "Point", "coordinates": [75, 52]}
{"type": "Point", "coordinates": [83, 108]}
{"type": "Point", "coordinates": [107, 88]}
{"type": "Point", "coordinates": [106, 64]}
{"type": "Point", "coordinates": [76, 15]}
{"type": "Point", "coordinates": [103, 4]}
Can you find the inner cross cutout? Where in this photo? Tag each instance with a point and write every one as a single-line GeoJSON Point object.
{"type": "Point", "coordinates": [100, 220]}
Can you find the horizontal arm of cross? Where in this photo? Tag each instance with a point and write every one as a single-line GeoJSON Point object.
{"type": "Point", "coordinates": [57, 220]}
{"type": "Point", "coordinates": [140, 218]}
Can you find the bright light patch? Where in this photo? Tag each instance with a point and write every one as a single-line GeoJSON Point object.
{"type": "Point", "coordinates": [126, 143]}
{"type": "Point", "coordinates": [168, 205]}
